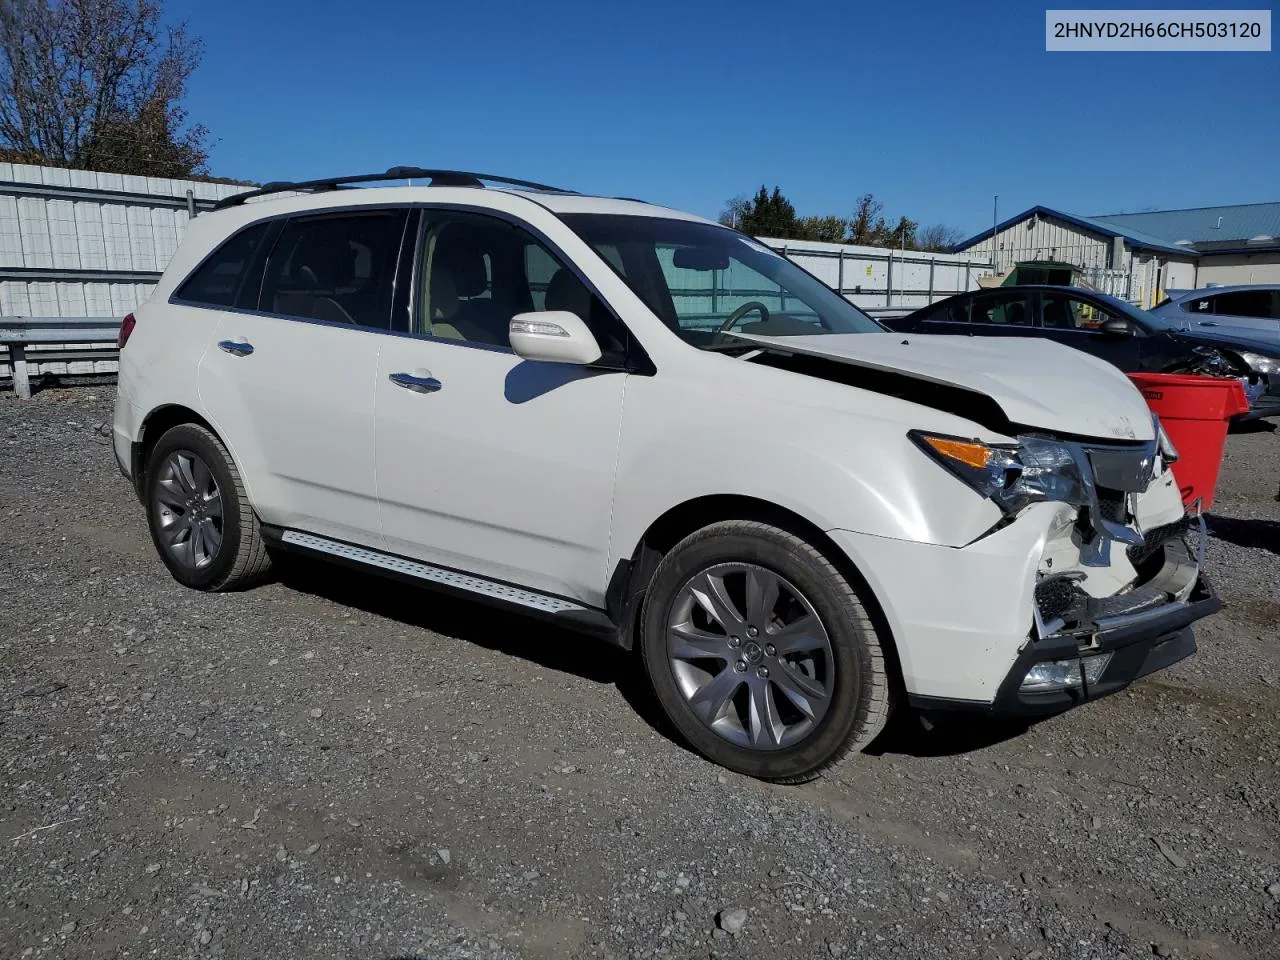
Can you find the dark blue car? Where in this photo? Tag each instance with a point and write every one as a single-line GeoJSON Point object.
{"type": "Point", "coordinates": [1134, 340]}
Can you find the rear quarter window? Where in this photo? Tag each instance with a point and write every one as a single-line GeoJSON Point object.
{"type": "Point", "coordinates": [220, 280]}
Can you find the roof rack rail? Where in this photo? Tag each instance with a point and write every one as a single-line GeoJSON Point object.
{"type": "Point", "coordinates": [438, 178]}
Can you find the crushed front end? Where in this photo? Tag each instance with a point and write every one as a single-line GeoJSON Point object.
{"type": "Point", "coordinates": [1119, 582]}
{"type": "Point", "coordinates": [1090, 579]}
{"type": "Point", "coordinates": [1084, 647]}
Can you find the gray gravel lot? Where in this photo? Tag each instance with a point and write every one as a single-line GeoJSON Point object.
{"type": "Point", "coordinates": [334, 765]}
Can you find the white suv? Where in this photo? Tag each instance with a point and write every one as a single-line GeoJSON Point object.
{"type": "Point", "coordinates": [646, 425]}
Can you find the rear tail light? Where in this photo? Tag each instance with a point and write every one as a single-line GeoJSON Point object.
{"type": "Point", "coordinates": [126, 328]}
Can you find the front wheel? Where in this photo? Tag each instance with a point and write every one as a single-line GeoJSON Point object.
{"type": "Point", "coordinates": [201, 521]}
{"type": "Point", "coordinates": [762, 653]}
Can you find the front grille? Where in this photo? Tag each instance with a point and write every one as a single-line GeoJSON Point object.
{"type": "Point", "coordinates": [1111, 504]}
{"type": "Point", "coordinates": [1154, 540]}
{"type": "Point", "coordinates": [1058, 597]}
{"type": "Point", "coordinates": [1121, 470]}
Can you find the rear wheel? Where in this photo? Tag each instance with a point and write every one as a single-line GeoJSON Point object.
{"type": "Point", "coordinates": [762, 653]}
{"type": "Point", "coordinates": [201, 521]}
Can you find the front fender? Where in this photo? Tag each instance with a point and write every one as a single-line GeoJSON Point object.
{"type": "Point", "coordinates": [835, 470]}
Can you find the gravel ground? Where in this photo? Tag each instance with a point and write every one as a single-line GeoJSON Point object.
{"type": "Point", "coordinates": [333, 765]}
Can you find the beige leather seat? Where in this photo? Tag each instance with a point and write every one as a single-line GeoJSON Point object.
{"type": "Point", "coordinates": [446, 314]}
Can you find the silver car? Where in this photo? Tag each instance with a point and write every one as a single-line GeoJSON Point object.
{"type": "Point", "coordinates": [1254, 307]}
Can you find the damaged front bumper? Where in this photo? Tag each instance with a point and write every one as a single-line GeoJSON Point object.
{"type": "Point", "coordinates": [1084, 648]}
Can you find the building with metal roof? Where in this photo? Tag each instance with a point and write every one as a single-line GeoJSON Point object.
{"type": "Point", "coordinates": [1139, 255]}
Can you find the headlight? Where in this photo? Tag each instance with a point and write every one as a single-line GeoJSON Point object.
{"type": "Point", "coordinates": [1261, 364]}
{"type": "Point", "coordinates": [1013, 476]}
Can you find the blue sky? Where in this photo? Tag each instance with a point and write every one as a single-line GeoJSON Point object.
{"type": "Point", "coordinates": [933, 107]}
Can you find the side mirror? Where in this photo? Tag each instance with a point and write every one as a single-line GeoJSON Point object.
{"type": "Point", "coordinates": [553, 336]}
{"type": "Point", "coordinates": [1115, 327]}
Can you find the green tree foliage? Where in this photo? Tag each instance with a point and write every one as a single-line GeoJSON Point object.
{"type": "Point", "coordinates": [97, 85]}
{"type": "Point", "coordinates": [772, 215]}
{"type": "Point", "coordinates": [826, 229]}
{"type": "Point", "coordinates": [764, 215]}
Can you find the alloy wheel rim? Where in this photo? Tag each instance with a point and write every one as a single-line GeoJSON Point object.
{"type": "Point", "coordinates": [750, 655]}
{"type": "Point", "coordinates": [188, 509]}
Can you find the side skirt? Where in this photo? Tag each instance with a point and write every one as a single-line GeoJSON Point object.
{"type": "Point", "coordinates": [564, 612]}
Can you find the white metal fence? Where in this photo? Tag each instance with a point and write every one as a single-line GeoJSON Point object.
{"type": "Point", "coordinates": [882, 276]}
{"type": "Point", "coordinates": [77, 243]}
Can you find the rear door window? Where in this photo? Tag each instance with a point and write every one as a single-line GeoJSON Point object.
{"type": "Point", "coordinates": [1001, 310]}
{"type": "Point", "coordinates": [223, 279]}
{"type": "Point", "coordinates": [338, 268]}
{"type": "Point", "coordinates": [1243, 303]}
{"type": "Point", "coordinates": [949, 311]}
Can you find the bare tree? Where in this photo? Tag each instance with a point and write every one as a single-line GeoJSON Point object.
{"type": "Point", "coordinates": [734, 210]}
{"type": "Point", "coordinates": [98, 85]}
{"type": "Point", "coordinates": [938, 238]}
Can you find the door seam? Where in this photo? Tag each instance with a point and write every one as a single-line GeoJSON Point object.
{"type": "Point", "coordinates": [613, 482]}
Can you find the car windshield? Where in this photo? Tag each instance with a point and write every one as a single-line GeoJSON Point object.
{"type": "Point", "coordinates": [706, 282]}
{"type": "Point", "coordinates": [1144, 319]}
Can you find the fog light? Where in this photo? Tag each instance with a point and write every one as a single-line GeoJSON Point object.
{"type": "Point", "coordinates": [1066, 674]}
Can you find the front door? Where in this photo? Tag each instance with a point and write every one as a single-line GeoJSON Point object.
{"type": "Point", "coordinates": [288, 381]}
{"type": "Point", "coordinates": [487, 463]}
{"type": "Point", "coordinates": [1077, 322]}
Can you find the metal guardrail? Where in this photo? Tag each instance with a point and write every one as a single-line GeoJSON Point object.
{"type": "Point", "coordinates": [17, 333]}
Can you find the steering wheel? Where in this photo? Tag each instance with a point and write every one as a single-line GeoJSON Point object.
{"type": "Point", "coordinates": [731, 320]}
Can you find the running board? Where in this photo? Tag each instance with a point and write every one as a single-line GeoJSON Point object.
{"type": "Point", "coordinates": [483, 588]}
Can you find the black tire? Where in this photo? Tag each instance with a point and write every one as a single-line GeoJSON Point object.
{"type": "Point", "coordinates": [241, 559]}
{"type": "Point", "coordinates": [858, 706]}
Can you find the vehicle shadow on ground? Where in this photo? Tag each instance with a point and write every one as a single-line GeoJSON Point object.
{"type": "Point", "coordinates": [942, 734]}
{"type": "Point", "coordinates": [945, 734]}
{"type": "Point", "coordinates": [493, 628]}
{"type": "Point", "coordinates": [1257, 533]}
{"type": "Point", "coordinates": [1253, 426]}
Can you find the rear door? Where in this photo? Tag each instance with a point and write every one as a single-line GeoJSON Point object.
{"type": "Point", "coordinates": [948, 316]}
{"type": "Point", "coordinates": [1003, 313]}
{"type": "Point", "coordinates": [287, 378]}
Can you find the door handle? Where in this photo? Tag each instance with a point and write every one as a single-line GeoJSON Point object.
{"type": "Point", "coordinates": [424, 383]}
{"type": "Point", "coordinates": [1209, 323]}
{"type": "Point", "coordinates": [237, 348]}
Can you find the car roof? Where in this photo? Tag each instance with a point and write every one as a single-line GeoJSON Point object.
{"type": "Point", "coordinates": [1027, 287]}
{"type": "Point", "coordinates": [559, 203]}
{"type": "Point", "coordinates": [1179, 295]}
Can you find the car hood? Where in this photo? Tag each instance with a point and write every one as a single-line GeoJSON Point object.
{"type": "Point", "coordinates": [1036, 383]}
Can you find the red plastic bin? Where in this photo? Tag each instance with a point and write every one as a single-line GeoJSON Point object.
{"type": "Point", "coordinates": [1195, 412]}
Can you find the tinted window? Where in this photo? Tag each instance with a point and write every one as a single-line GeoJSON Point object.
{"type": "Point", "coordinates": [1001, 311]}
{"type": "Point", "coordinates": [1243, 303]}
{"type": "Point", "coordinates": [339, 268]}
{"type": "Point", "coordinates": [955, 310]}
{"type": "Point", "coordinates": [220, 278]}
{"type": "Point", "coordinates": [478, 272]}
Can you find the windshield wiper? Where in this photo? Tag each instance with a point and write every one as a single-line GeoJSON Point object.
{"type": "Point", "coordinates": [728, 347]}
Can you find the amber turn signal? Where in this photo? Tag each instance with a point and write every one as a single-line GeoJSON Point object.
{"type": "Point", "coordinates": [976, 455]}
